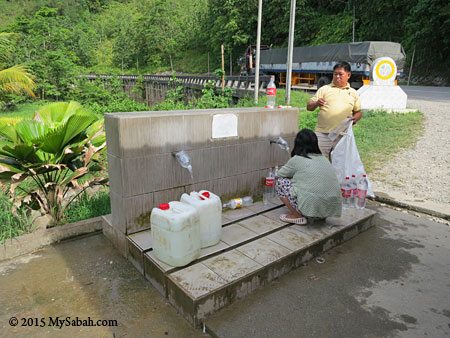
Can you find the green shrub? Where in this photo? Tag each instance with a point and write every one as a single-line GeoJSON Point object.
{"type": "Point", "coordinates": [124, 105]}
{"type": "Point", "coordinates": [105, 96]}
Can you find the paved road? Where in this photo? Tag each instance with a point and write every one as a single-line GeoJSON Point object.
{"type": "Point", "coordinates": [391, 281]}
{"type": "Point", "coordinates": [427, 93]}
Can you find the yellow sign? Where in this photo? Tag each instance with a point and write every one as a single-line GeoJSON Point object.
{"type": "Point", "coordinates": [385, 70]}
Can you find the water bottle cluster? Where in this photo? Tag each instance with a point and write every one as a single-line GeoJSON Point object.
{"type": "Point", "coordinates": [354, 193]}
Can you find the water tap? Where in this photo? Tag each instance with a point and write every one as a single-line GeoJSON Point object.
{"type": "Point", "coordinates": [282, 143]}
{"type": "Point", "coordinates": [183, 159]}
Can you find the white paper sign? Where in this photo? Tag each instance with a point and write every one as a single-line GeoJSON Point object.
{"type": "Point", "coordinates": [224, 125]}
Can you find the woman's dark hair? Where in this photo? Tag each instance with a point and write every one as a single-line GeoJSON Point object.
{"type": "Point", "coordinates": [305, 143]}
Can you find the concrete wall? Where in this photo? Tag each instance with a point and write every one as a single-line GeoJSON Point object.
{"type": "Point", "coordinates": [143, 172]}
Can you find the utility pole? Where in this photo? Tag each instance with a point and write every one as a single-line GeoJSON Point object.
{"type": "Point", "coordinates": [258, 50]}
{"type": "Point", "coordinates": [223, 70]}
{"type": "Point", "coordinates": [410, 68]}
{"type": "Point", "coordinates": [290, 52]}
{"type": "Point", "coordinates": [354, 22]}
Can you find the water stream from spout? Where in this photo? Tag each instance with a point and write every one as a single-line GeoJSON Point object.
{"type": "Point", "coordinates": [185, 162]}
{"type": "Point", "coordinates": [189, 168]}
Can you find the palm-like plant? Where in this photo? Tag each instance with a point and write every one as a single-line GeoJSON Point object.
{"type": "Point", "coordinates": [53, 151]}
{"type": "Point", "coordinates": [15, 79]}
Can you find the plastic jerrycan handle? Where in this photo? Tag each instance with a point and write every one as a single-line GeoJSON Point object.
{"type": "Point", "coordinates": [177, 210]}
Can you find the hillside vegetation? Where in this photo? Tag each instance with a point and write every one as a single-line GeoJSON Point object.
{"type": "Point", "coordinates": [59, 39]}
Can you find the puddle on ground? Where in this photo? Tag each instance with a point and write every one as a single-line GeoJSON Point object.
{"type": "Point", "coordinates": [84, 278]}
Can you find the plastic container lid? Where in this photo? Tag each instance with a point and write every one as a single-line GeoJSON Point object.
{"type": "Point", "coordinates": [164, 206]}
{"type": "Point", "coordinates": [206, 194]}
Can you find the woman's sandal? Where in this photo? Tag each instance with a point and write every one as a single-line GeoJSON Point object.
{"type": "Point", "coordinates": [299, 221]}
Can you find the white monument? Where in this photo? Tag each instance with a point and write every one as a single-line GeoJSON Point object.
{"type": "Point", "coordinates": [382, 92]}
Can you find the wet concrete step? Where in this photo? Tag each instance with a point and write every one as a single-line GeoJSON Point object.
{"type": "Point", "coordinates": [255, 248]}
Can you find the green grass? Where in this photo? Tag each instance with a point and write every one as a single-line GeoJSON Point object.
{"type": "Point", "coordinates": [379, 135]}
{"type": "Point", "coordinates": [12, 225]}
{"type": "Point", "coordinates": [88, 206]}
{"type": "Point", "coordinates": [22, 110]}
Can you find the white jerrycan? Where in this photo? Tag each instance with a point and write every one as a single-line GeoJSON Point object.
{"type": "Point", "coordinates": [209, 208]}
{"type": "Point", "coordinates": [175, 231]}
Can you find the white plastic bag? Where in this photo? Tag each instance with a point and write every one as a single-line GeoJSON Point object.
{"type": "Point", "coordinates": [345, 158]}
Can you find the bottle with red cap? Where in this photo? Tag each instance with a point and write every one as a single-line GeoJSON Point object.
{"type": "Point", "coordinates": [269, 187]}
{"type": "Point", "coordinates": [354, 188]}
{"type": "Point", "coordinates": [271, 93]}
{"type": "Point", "coordinates": [209, 208]}
{"type": "Point", "coordinates": [363, 185]}
{"type": "Point", "coordinates": [346, 193]}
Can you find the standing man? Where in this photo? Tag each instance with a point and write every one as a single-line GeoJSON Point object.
{"type": "Point", "coordinates": [337, 101]}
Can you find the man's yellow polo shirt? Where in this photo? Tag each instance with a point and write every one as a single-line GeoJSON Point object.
{"type": "Point", "coordinates": [341, 103]}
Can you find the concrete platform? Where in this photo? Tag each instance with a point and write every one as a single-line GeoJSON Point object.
{"type": "Point", "coordinates": [255, 248]}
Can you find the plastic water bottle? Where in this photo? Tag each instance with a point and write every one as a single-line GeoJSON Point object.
{"type": "Point", "coordinates": [272, 175]}
{"type": "Point", "coordinates": [275, 171]}
{"type": "Point", "coordinates": [271, 93]}
{"type": "Point", "coordinates": [269, 188]}
{"type": "Point", "coordinates": [354, 188]}
{"type": "Point", "coordinates": [346, 193]}
{"type": "Point", "coordinates": [237, 203]}
{"type": "Point", "coordinates": [363, 184]}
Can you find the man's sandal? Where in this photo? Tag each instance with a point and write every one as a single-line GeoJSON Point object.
{"type": "Point", "coordinates": [299, 221]}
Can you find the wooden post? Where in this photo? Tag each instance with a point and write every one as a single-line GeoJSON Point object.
{"type": "Point", "coordinates": [208, 63]}
{"type": "Point", "coordinates": [231, 64]}
{"type": "Point", "coordinates": [171, 65]}
{"type": "Point", "coordinates": [223, 70]}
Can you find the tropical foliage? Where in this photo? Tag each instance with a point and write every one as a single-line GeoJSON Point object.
{"type": "Point", "coordinates": [103, 96]}
{"type": "Point", "coordinates": [47, 159]}
{"type": "Point", "coordinates": [14, 79]}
